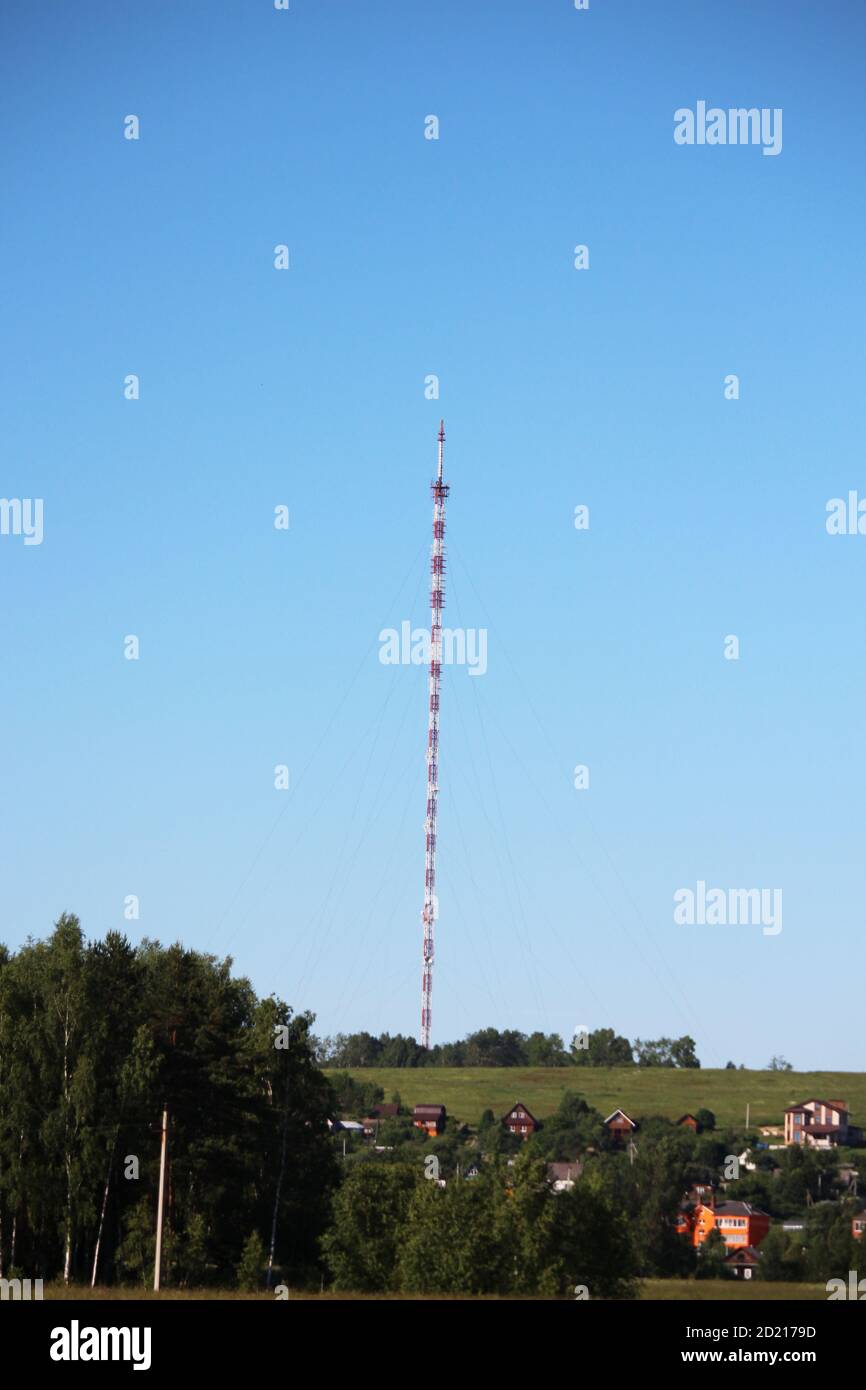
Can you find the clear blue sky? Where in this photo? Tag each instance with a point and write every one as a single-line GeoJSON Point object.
{"type": "Point", "coordinates": [559, 387]}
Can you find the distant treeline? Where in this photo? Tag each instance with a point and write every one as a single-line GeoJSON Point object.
{"type": "Point", "coordinates": [490, 1047]}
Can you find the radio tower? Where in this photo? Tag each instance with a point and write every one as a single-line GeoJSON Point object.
{"type": "Point", "coordinates": [439, 491]}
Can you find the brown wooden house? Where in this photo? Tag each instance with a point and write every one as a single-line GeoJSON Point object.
{"type": "Point", "coordinates": [743, 1262]}
{"type": "Point", "coordinates": [430, 1118]}
{"type": "Point", "coordinates": [387, 1110]}
{"type": "Point", "coordinates": [520, 1121]}
{"type": "Point", "coordinates": [620, 1126]}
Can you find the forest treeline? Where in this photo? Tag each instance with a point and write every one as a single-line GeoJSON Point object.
{"type": "Point", "coordinates": [490, 1047]}
{"type": "Point", "coordinates": [95, 1038]}
{"type": "Point", "coordinates": [98, 1039]}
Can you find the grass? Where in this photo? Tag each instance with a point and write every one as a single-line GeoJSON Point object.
{"type": "Point", "coordinates": [60, 1293]}
{"type": "Point", "coordinates": [679, 1290]}
{"type": "Point", "coordinates": [729, 1290]}
{"type": "Point", "coordinates": [467, 1091]}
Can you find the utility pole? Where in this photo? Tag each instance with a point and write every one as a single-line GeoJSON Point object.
{"type": "Point", "coordinates": [157, 1259]}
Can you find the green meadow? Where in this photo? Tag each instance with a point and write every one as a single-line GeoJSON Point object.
{"type": "Point", "coordinates": [467, 1091]}
{"type": "Point", "coordinates": [733, 1290]}
{"type": "Point", "coordinates": [680, 1290]}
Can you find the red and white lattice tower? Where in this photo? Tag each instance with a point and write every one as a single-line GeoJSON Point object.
{"type": "Point", "coordinates": [439, 490]}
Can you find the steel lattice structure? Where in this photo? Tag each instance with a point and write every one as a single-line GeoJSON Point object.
{"type": "Point", "coordinates": [439, 490]}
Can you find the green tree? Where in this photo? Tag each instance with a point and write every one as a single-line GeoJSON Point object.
{"type": "Point", "coordinates": [573, 1129]}
{"type": "Point", "coordinates": [655, 1183]}
{"type": "Point", "coordinates": [711, 1257]}
{"type": "Point", "coordinates": [93, 1040]}
{"type": "Point", "coordinates": [369, 1210]}
{"type": "Point", "coordinates": [592, 1245]}
{"type": "Point", "coordinates": [456, 1239]}
{"type": "Point", "coordinates": [135, 1255]}
{"type": "Point", "coordinates": [354, 1098]}
{"type": "Point", "coordinates": [831, 1249]}
{"type": "Point", "coordinates": [251, 1266]}
{"type": "Point", "coordinates": [781, 1256]}
{"type": "Point", "coordinates": [490, 1048]}
{"type": "Point", "coordinates": [545, 1050]}
{"type": "Point", "coordinates": [604, 1048]}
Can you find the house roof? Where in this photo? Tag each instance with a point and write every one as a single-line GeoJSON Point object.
{"type": "Point", "coordinates": [747, 1254]}
{"type": "Point", "coordinates": [822, 1129]}
{"type": "Point", "coordinates": [697, 1190]}
{"type": "Point", "coordinates": [564, 1172]}
{"type": "Point", "coordinates": [431, 1111]}
{"type": "Point", "coordinates": [738, 1209]}
{"type": "Point", "coordinates": [518, 1105]}
{"type": "Point", "coordinates": [386, 1109]}
{"type": "Point", "coordinates": [687, 1116]}
{"type": "Point", "coordinates": [816, 1100]}
{"type": "Point", "coordinates": [613, 1114]}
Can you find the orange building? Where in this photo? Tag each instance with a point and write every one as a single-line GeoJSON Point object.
{"type": "Point", "coordinates": [738, 1223]}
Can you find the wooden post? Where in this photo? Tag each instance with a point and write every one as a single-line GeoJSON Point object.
{"type": "Point", "coordinates": [157, 1260]}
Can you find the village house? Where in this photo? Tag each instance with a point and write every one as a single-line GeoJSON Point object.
{"type": "Point", "coordinates": [739, 1223]}
{"type": "Point", "coordinates": [858, 1224]}
{"type": "Point", "coordinates": [430, 1118]}
{"type": "Point", "coordinates": [620, 1126]}
{"type": "Point", "coordinates": [563, 1176]}
{"type": "Point", "coordinates": [743, 1261]}
{"type": "Point", "coordinates": [387, 1110]}
{"type": "Point", "coordinates": [519, 1121]}
{"type": "Point", "coordinates": [689, 1121]}
{"type": "Point", "coordinates": [819, 1124]}
{"type": "Point", "coordinates": [700, 1193]}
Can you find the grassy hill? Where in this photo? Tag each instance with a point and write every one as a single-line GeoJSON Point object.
{"type": "Point", "coordinates": [467, 1091]}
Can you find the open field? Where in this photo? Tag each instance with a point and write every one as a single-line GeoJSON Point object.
{"type": "Point", "coordinates": [467, 1091]}
{"type": "Point", "coordinates": [680, 1290]}
{"type": "Point", "coordinates": [727, 1290]}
